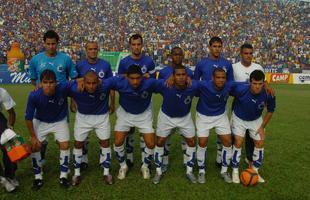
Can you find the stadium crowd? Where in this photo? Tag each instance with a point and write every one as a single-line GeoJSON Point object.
{"type": "Point", "coordinates": [278, 29]}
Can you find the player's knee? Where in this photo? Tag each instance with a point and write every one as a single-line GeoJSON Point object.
{"type": "Point", "coordinates": [63, 145]}
{"type": "Point", "coordinates": [259, 143]}
{"type": "Point", "coordinates": [78, 144]}
{"type": "Point", "coordinates": [226, 141]}
{"type": "Point", "coordinates": [190, 142]}
{"type": "Point", "coordinates": [150, 144]}
{"type": "Point", "coordinates": [202, 142]}
{"type": "Point", "coordinates": [104, 143]}
{"type": "Point", "coordinates": [160, 141]}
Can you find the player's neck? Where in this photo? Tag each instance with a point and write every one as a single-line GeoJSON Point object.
{"type": "Point", "coordinates": [92, 60]}
{"type": "Point", "coordinates": [136, 56]}
{"type": "Point", "coordinates": [180, 87]}
{"type": "Point", "coordinates": [246, 64]}
{"type": "Point", "coordinates": [50, 55]}
{"type": "Point", "coordinates": [214, 57]}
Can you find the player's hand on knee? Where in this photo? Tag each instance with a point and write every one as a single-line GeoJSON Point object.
{"type": "Point", "coordinates": [35, 144]}
{"type": "Point", "coordinates": [170, 81]}
{"type": "Point", "coordinates": [189, 82]}
{"type": "Point", "coordinates": [80, 84]}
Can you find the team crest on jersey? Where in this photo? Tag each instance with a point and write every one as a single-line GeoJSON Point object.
{"type": "Point", "coordinates": [60, 68]}
{"type": "Point", "coordinates": [261, 105]}
{"type": "Point", "coordinates": [187, 100]}
{"type": "Point", "coordinates": [101, 74]}
{"type": "Point", "coordinates": [102, 96]}
{"type": "Point", "coordinates": [61, 101]}
{"type": "Point", "coordinates": [144, 94]}
{"type": "Point", "coordinates": [143, 69]}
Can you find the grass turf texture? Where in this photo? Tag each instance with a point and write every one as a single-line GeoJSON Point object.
{"type": "Point", "coordinates": [285, 168]}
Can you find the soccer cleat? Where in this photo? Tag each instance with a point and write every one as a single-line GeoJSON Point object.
{"type": "Point", "coordinates": [164, 168]}
{"type": "Point", "coordinates": [9, 187]}
{"type": "Point", "coordinates": [191, 177]}
{"type": "Point", "coordinates": [37, 184]}
{"type": "Point", "coordinates": [14, 181]}
{"type": "Point", "coordinates": [226, 176]}
{"type": "Point", "coordinates": [108, 179]}
{"type": "Point", "coordinates": [145, 172]}
{"type": "Point", "coordinates": [76, 180]}
{"type": "Point", "coordinates": [201, 178]}
{"type": "Point", "coordinates": [235, 176]}
{"type": "Point", "coordinates": [122, 172]}
{"type": "Point", "coordinates": [156, 178]}
{"type": "Point", "coordinates": [260, 179]}
{"type": "Point", "coordinates": [129, 163]}
{"type": "Point", "coordinates": [64, 183]}
{"type": "Point", "coordinates": [218, 164]}
{"type": "Point", "coordinates": [84, 166]}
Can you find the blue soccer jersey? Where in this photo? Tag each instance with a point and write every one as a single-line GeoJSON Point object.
{"type": "Point", "coordinates": [212, 102]}
{"type": "Point", "coordinates": [248, 106]}
{"type": "Point", "coordinates": [176, 102]}
{"type": "Point", "coordinates": [96, 103]}
{"type": "Point", "coordinates": [166, 72]}
{"type": "Point", "coordinates": [48, 109]}
{"type": "Point", "coordinates": [145, 62]}
{"type": "Point", "coordinates": [204, 69]}
{"type": "Point", "coordinates": [61, 64]}
{"type": "Point", "coordinates": [133, 100]}
{"type": "Point", "coordinates": [101, 67]}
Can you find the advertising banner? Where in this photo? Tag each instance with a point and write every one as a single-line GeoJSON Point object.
{"type": "Point", "coordinates": [301, 78]}
{"type": "Point", "coordinates": [15, 77]}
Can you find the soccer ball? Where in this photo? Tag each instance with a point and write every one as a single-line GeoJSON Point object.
{"type": "Point", "coordinates": [249, 177]}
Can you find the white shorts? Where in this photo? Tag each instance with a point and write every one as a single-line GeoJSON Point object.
{"type": "Point", "coordinates": [165, 124]}
{"type": "Point", "coordinates": [239, 126]}
{"type": "Point", "coordinates": [85, 123]}
{"type": "Point", "coordinates": [143, 121]}
{"type": "Point", "coordinates": [205, 123]}
{"type": "Point", "coordinates": [60, 130]}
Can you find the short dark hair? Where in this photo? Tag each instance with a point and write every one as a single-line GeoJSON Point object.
{"type": "Point", "coordinates": [218, 69]}
{"type": "Point", "coordinates": [175, 48]}
{"type": "Point", "coordinates": [257, 75]}
{"type": "Point", "coordinates": [178, 67]}
{"type": "Point", "coordinates": [135, 37]}
{"type": "Point", "coordinates": [215, 39]}
{"type": "Point", "coordinates": [91, 72]}
{"type": "Point", "coordinates": [51, 34]}
{"type": "Point", "coordinates": [134, 69]}
{"type": "Point", "coordinates": [48, 75]}
{"type": "Point", "coordinates": [246, 46]}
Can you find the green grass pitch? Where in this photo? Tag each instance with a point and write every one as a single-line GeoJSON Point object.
{"type": "Point", "coordinates": [286, 167]}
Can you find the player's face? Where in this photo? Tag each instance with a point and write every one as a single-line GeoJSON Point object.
{"type": "Point", "coordinates": [134, 80]}
{"type": "Point", "coordinates": [177, 56]}
{"type": "Point", "coordinates": [246, 56]}
{"type": "Point", "coordinates": [48, 87]}
{"type": "Point", "coordinates": [91, 83]}
{"type": "Point", "coordinates": [256, 86]}
{"type": "Point", "coordinates": [219, 79]}
{"type": "Point", "coordinates": [92, 50]}
{"type": "Point", "coordinates": [216, 49]}
{"type": "Point", "coordinates": [136, 47]}
{"type": "Point", "coordinates": [180, 77]}
{"type": "Point", "coordinates": [50, 45]}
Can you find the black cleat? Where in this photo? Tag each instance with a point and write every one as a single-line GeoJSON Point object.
{"type": "Point", "coordinates": [84, 166]}
{"type": "Point", "coordinates": [64, 183]}
{"type": "Point", "coordinates": [129, 163]}
{"type": "Point", "coordinates": [219, 165]}
{"type": "Point", "coordinates": [37, 184]}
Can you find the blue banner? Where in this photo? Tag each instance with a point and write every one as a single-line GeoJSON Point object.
{"type": "Point", "coordinates": [7, 77]}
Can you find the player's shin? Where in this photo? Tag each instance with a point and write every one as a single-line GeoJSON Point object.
{"type": "Point", "coordinates": [129, 147]}
{"type": "Point", "coordinates": [201, 158]}
{"type": "Point", "coordinates": [142, 147]}
{"type": "Point", "coordinates": [148, 157]}
{"type": "Point", "coordinates": [219, 147]}
{"type": "Point", "coordinates": [158, 158]}
{"type": "Point", "coordinates": [105, 160]}
{"type": "Point", "coordinates": [64, 163]}
{"type": "Point", "coordinates": [191, 154]}
{"type": "Point", "coordinates": [120, 155]}
{"type": "Point", "coordinates": [226, 158]}
{"type": "Point", "coordinates": [236, 154]}
{"type": "Point", "coordinates": [77, 159]}
{"type": "Point", "coordinates": [184, 146]}
{"type": "Point", "coordinates": [258, 156]}
{"type": "Point", "coordinates": [36, 165]}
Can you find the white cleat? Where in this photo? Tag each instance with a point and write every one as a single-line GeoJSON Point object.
{"type": "Point", "coordinates": [122, 172]}
{"type": "Point", "coordinates": [260, 179]}
{"type": "Point", "coordinates": [9, 187]}
{"type": "Point", "coordinates": [235, 176]}
{"type": "Point", "coordinates": [145, 172]}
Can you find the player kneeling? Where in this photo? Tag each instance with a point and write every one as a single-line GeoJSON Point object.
{"type": "Point", "coordinates": [176, 113]}
{"type": "Point", "coordinates": [92, 113]}
{"type": "Point", "coordinates": [46, 113]}
{"type": "Point", "coordinates": [247, 111]}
